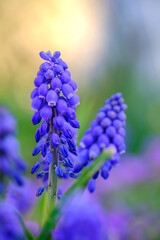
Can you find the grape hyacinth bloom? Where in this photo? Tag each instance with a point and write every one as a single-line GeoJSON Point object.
{"type": "Point", "coordinates": [11, 164]}
{"type": "Point", "coordinates": [106, 131]}
{"type": "Point", "coordinates": [54, 101]}
{"type": "Point", "coordinates": [80, 220]}
{"type": "Point", "coordinates": [10, 225]}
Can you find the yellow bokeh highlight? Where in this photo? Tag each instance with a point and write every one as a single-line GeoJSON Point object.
{"type": "Point", "coordinates": [76, 28]}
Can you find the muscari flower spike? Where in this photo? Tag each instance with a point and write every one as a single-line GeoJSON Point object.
{"type": "Point", "coordinates": [54, 101]}
{"type": "Point", "coordinates": [106, 131]}
{"type": "Point", "coordinates": [12, 165]}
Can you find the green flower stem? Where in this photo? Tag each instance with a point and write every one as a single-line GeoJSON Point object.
{"type": "Point", "coordinates": [52, 186]}
{"type": "Point", "coordinates": [81, 182]}
{"type": "Point", "coordinates": [53, 181]}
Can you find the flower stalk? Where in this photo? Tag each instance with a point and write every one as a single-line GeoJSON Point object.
{"type": "Point", "coordinates": [53, 179]}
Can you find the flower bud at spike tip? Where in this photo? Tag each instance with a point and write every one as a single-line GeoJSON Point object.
{"type": "Point", "coordinates": [43, 55]}
{"type": "Point", "coordinates": [56, 55]}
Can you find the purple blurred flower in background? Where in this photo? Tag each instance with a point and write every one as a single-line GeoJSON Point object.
{"type": "Point", "coordinates": [54, 101]}
{"type": "Point", "coordinates": [22, 197]}
{"type": "Point", "coordinates": [10, 226]}
{"type": "Point", "coordinates": [138, 168]}
{"type": "Point", "coordinates": [138, 223]}
{"type": "Point", "coordinates": [107, 130]}
{"type": "Point", "coordinates": [81, 220]}
{"type": "Point", "coordinates": [11, 163]}
{"type": "Point", "coordinates": [33, 227]}
{"type": "Point", "coordinates": [151, 152]}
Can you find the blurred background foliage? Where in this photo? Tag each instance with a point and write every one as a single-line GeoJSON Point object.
{"type": "Point", "coordinates": [110, 46]}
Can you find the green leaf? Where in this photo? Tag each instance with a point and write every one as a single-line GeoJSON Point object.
{"type": "Point", "coordinates": [81, 182]}
{"type": "Point", "coordinates": [26, 231]}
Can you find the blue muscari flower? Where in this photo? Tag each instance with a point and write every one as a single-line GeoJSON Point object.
{"type": "Point", "coordinates": [54, 101]}
{"type": "Point", "coordinates": [36, 150]}
{"type": "Point", "coordinates": [35, 167]}
{"type": "Point", "coordinates": [40, 174]}
{"type": "Point", "coordinates": [59, 193]}
{"type": "Point", "coordinates": [36, 118]}
{"type": "Point", "coordinates": [59, 172]}
{"type": "Point", "coordinates": [107, 130]}
{"type": "Point", "coordinates": [40, 190]}
{"type": "Point", "coordinates": [55, 139]}
{"type": "Point", "coordinates": [56, 84]}
{"type": "Point", "coordinates": [12, 165]}
{"type": "Point", "coordinates": [10, 225]}
{"type": "Point", "coordinates": [67, 162]}
{"type": "Point", "coordinates": [48, 158]}
{"type": "Point", "coordinates": [37, 135]}
{"type": "Point", "coordinates": [91, 185]}
{"type": "Point", "coordinates": [81, 219]}
{"type": "Point", "coordinates": [72, 174]}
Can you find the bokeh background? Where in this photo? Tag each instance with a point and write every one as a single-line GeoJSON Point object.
{"type": "Point", "coordinates": [110, 46]}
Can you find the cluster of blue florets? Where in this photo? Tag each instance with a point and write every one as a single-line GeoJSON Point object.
{"type": "Point", "coordinates": [54, 101]}
{"type": "Point", "coordinates": [11, 163]}
{"type": "Point", "coordinates": [106, 131]}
